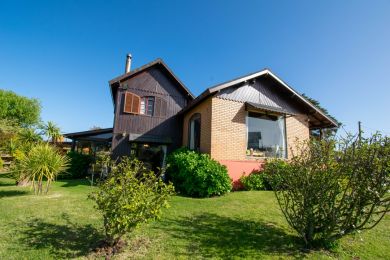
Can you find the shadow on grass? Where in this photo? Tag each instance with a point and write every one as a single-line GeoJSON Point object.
{"type": "Point", "coordinates": [211, 235]}
{"type": "Point", "coordinates": [7, 179]}
{"type": "Point", "coordinates": [3, 184]}
{"type": "Point", "coordinates": [62, 240]}
{"type": "Point", "coordinates": [12, 193]}
{"type": "Point", "coordinates": [74, 182]}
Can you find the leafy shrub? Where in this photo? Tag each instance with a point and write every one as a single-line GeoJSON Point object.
{"type": "Point", "coordinates": [130, 195]}
{"type": "Point", "coordinates": [270, 168]}
{"type": "Point", "coordinates": [254, 181]}
{"type": "Point", "coordinates": [43, 162]}
{"type": "Point", "coordinates": [1, 163]}
{"type": "Point", "coordinates": [79, 165]}
{"type": "Point", "coordinates": [197, 175]}
{"type": "Point", "coordinates": [335, 187]}
{"type": "Point", "coordinates": [102, 162]}
{"type": "Point", "coordinates": [262, 179]}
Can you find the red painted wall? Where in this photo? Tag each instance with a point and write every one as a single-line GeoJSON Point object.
{"type": "Point", "coordinates": [238, 168]}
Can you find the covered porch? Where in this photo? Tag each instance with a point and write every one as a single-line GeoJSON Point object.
{"type": "Point", "coordinates": [91, 141]}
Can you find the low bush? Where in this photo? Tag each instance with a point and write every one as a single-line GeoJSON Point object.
{"type": "Point", "coordinates": [131, 195]}
{"type": "Point", "coordinates": [1, 163]}
{"type": "Point", "coordinates": [197, 175]}
{"type": "Point", "coordinates": [254, 181]}
{"type": "Point", "coordinates": [263, 179]}
{"type": "Point", "coordinates": [78, 167]}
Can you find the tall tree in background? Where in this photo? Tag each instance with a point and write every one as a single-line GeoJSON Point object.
{"type": "Point", "coordinates": [8, 130]}
{"type": "Point", "coordinates": [326, 132]}
{"type": "Point", "coordinates": [23, 111]}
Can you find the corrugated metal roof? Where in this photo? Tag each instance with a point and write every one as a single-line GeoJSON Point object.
{"type": "Point", "coordinates": [257, 93]}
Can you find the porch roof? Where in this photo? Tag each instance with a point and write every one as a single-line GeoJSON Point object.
{"type": "Point", "coordinates": [261, 107]}
{"type": "Point", "coordinates": [97, 135]}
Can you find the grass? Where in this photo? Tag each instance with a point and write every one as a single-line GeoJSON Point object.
{"type": "Point", "coordinates": [64, 224]}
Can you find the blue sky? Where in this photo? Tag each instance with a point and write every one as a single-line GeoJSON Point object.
{"type": "Point", "coordinates": [65, 52]}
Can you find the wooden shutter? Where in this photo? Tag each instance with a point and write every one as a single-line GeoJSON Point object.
{"type": "Point", "coordinates": [132, 103]}
{"type": "Point", "coordinates": [161, 107]}
{"type": "Point", "coordinates": [136, 104]}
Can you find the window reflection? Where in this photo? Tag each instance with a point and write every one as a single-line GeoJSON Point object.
{"type": "Point", "coordinates": [266, 135]}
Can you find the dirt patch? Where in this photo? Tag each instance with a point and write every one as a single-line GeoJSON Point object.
{"type": "Point", "coordinates": [136, 247]}
{"type": "Point", "coordinates": [103, 249]}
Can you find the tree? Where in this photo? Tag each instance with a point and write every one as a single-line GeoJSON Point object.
{"type": "Point", "coordinates": [334, 187]}
{"type": "Point", "coordinates": [94, 127]}
{"type": "Point", "coordinates": [130, 195]}
{"type": "Point", "coordinates": [8, 130]}
{"type": "Point", "coordinates": [42, 162]}
{"type": "Point", "coordinates": [326, 132]}
{"type": "Point", "coordinates": [21, 110]}
{"type": "Point", "coordinates": [52, 131]}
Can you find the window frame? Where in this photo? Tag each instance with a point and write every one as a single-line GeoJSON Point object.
{"type": "Point", "coordinates": [145, 100]}
{"type": "Point", "coordinates": [195, 116]}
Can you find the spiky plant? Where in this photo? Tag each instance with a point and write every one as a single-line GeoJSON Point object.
{"type": "Point", "coordinates": [43, 162]}
{"type": "Point", "coordinates": [29, 135]}
{"type": "Point", "coordinates": [52, 131]}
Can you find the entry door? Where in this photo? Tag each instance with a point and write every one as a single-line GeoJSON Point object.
{"type": "Point", "coordinates": [152, 155]}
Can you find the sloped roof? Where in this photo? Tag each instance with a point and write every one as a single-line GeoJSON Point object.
{"type": "Point", "coordinates": [265, 72]}
{"type": "Point", "coordinates": [96, 133]}
{"type": "Point", "coordinates": [136, 71]}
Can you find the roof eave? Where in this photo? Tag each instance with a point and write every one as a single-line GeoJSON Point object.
{"type": "Point", "coordinates": [144, 67]}
{"type": "Point", "coordinates": [269, 72]}
{"type": "Point", "coordinates": [302, 98]}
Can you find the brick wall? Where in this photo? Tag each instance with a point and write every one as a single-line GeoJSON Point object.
{"type": "Point", "coordinates": [204, 109]}
{"type": "Point", "coordinates": [297, 128]}
{"type": "Point", "coordinates": [228, 130]}
{"type": "Point", "coordinates": [224, 134]}
{"type": "Point", "coordinates": [224, 131]}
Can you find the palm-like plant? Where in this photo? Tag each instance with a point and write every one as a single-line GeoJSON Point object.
{"type": "Point", "coordinates": [52, 131]}
{"type": "Point", "coordinates": [43, 162]}
{"type": "Point", "coordinates": [29, 135]}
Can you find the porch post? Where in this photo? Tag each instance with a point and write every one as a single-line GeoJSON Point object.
{"type": "Point", "coordinates": [73, 145]}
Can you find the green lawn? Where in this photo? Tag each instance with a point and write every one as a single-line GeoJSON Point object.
{"type": "Point", "coordinates": [64, 224]}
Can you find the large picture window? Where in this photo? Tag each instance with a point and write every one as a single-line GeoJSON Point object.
{"type": "Point", "coordinates": [266, 135]}
{"type": "Point", "coordinates": [194, 132]}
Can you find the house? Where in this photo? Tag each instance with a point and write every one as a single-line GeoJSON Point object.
{"type": "Point", "coordinates": [239, 123]}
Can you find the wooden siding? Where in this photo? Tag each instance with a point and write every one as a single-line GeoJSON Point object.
{"type": "Point", "coordinates": [151, 82]}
